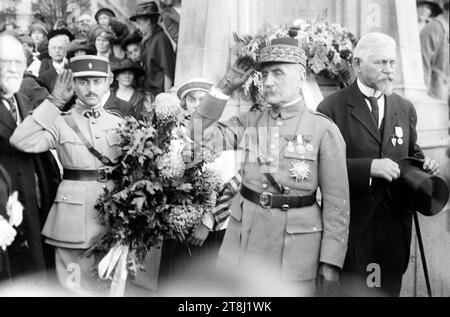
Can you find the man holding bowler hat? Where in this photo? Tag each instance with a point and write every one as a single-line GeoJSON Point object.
{"type": "Point", "coordinates": [379, 128]}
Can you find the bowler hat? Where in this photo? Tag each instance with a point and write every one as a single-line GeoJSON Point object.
{"type": "Point", "coordinates": [104, 11]}
{"type": "Point", "coordinates": [282, 50]}
{"type": "Point", "coordinates": [126, 64]}
{"type": "Point", "coordinates": [145, 9]}
{"type": "Point", "coordinates": [416, 190]}
{"type": "Point", "coordinates": [61, 31]}
{"type": "Point", "coordinates": [80, 45]}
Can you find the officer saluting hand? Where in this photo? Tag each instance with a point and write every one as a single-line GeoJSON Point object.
{"type": "Point", "coordinates": [289, 152]}
{"type": "Point", "coordinates": [86, 140]}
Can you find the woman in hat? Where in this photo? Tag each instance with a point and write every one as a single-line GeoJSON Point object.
{"type": "Point", "coordinates": [126, 72]}
{"type": "Point", "coordinates": [132, 47]}
{"type": "Point", "coordinates": [158, 55]}
{"type": "Point", "coordinates": [192, 92]}
{"type": "Point", "coordinates": [38, 33]}
{"type": "Point", "coordinates": [427, 10]}
{"type": "Point", "coordinates": [178, 260]}
{"type": "Point", "coordinates": [105, 17]}
{"type": "Point", "coordinates": [102, 39]}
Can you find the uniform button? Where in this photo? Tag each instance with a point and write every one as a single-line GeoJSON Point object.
{"type": "Point", "coordinates": [273, 146]}
{"type": "Point", "coordinates": [264, 186]}
{"type": "Point", "coordinates": [64, 198]}
{"type": "Point", "coordinates": [345, 220]}
{"type": "Point", "coordinates": [314, 228]}
{"type": "Point", "coordinates": [93, 121]}
{"type": "Point", "coordinates": [337, 209]}
{"type": "Point", "coordinates": [334, 229]}
{"type": "Point", "coordinates": [97, 137]}
{"type": "Point", "coordinates": [280, 123]}
{"type": "Point", "coordinates": [104, 186]}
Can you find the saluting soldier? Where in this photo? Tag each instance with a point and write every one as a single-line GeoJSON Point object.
{"type": "Point", "coordinates": [86, 140]}
{"type": "Point", "coordinates": [290, 151]}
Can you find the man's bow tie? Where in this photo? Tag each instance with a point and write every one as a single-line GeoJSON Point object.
{"type": "Point", "coordinates": [91, 113]}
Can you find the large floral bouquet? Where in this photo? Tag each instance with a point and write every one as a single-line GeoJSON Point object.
{"type": "Point", "coordinates": [328, 48]}
{"type": "Point", "coordinates": [156, 193]}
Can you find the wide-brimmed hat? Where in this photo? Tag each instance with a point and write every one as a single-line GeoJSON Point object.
{"type": "Point", "coordinates": [145, 9]}
{"type": "Point", "coordinates": [37, 26]}
{"type": "Point", "coordinates": [435, 7]}
{"type": "Point", "coordinates": [193, 85]}
{"type": "Point", "coordinates": [80, 45]}
{"type": "Point", "coordinates": [104, 11]}
{"type": "Point", "coordinates": [132, 38]}
{"type": "Point", "coordinates": [89, 66]}
{"type": "Point", "coordinates": [63, 31]}
{"type": "Point", "coordinates": [416, 190]}
{"type": "Point", "coordinates": [282, 50]}
{"type": "Point", "coordinates": [127, 64]}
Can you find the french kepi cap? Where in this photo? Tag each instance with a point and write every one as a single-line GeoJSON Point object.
{"type": "Point", "coordinates": [282, 50]}
{"type": "Point", "coordinates": [192, 85]}
{"type": "Point", "coordinates": [89, 66]}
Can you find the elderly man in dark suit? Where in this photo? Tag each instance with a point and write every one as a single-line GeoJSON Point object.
{"type": "Point", "coordinates": [57, 49]}
{"type": "Point", "coordinates": [379, 128]}
{"type": "Point", "coordinates": [34, 176]}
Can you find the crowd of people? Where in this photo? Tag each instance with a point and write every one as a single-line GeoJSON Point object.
{"type": "Point", "coordinates": [147, 52]}
{"type": "Point", "coordinates": [64, 93]}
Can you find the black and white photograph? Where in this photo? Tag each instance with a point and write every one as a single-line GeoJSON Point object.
{"type": "Point", "coordinates": [253, 149]}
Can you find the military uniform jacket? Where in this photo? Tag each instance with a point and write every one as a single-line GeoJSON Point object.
{"type": "Point", "coordinates": [73, 220]}
{"type": "Point", "coordinates": [296, 240]}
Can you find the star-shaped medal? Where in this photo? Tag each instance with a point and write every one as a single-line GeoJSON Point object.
{"type": "Point", "coordinates": [300, 171]}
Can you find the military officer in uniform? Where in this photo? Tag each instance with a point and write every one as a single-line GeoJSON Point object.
{"type": "Point", "coordinates": [73, 224]}
{"type": "Point", "coordinates": [290, 152]}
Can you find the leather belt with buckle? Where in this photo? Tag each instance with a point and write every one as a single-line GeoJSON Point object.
{"type": "Point", "coordinates": [100, 175]}
{"type": "Point", "coordinates": [284, 202]}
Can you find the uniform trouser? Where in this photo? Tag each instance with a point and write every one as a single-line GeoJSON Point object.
{"type": "Point", "coordinates": [75, 272]}
{"type": "Point", "coordinates": [376, 261]}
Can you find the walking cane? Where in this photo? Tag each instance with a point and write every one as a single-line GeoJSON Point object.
{"type": "Point", "coordinates": [422, 253]}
